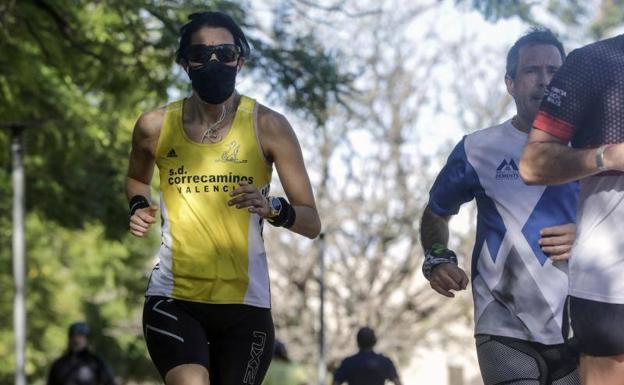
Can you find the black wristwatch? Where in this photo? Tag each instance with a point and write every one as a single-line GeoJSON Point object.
{"type": "Point", "coordinates": [275, 207]}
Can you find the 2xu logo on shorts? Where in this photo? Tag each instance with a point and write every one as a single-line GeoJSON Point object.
{"type": "Point", "coordinates": [256, 352]}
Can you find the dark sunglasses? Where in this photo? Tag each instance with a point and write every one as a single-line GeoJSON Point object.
{"type": "Point", "coordinates": [200, 53]}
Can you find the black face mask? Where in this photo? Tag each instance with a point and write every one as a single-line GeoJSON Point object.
{"type": "Point", "coordinates": [214, 81]}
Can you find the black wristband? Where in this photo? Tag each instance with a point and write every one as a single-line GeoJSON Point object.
{"type": "Point", "coordinates": [292, 216]}
{"type": "Point", "coordinates": [137, 202]}
{"type": "Point", "coordinates": [437, 255]}
{"type": "Point", "coordinates": [286, 217]}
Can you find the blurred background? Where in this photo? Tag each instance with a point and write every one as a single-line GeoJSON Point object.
{"type": "Point", "coordinates": [378, 92]}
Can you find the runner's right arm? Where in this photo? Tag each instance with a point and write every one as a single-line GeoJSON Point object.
{"type": "Point", "coordinates": [452, 188]}
{"type": "Point", "coordinates": [547, 158]}
{"type": "Point", "coordinates": [446, 276]}
{"type": "Point", "coordinates": [141, 168]}
{"type": "Point", "coordinates": [433, 229]}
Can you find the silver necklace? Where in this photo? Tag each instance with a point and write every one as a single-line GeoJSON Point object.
{"type": "Point", "coordinates": [213, 128]}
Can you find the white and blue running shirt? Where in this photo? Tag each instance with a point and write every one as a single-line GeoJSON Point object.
{"type": "Point", "coordinates": [518, 291]}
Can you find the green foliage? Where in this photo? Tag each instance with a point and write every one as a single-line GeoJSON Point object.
{"type": "Point", "coordinates": [500, 9]}
{"type": "Point", "coordinates": [611, 16]}
{"type": "Point", "coordinates": [570, 12]}
{"type": "Point", "coordinates": [309, 76]}
{"type": "Point", "coordinates": [79, 275]}
{"type": "Point", "coordinates": [77, 73]}
{"type": "Point", "coordinates": [574, 14]}
{"type": "Point", "coordinates": [596, 18]}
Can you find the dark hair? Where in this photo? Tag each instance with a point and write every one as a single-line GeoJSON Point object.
{"type": "Point", "coordinates": [211, 19]}
{"type": "Point", "coordinates": [534, 37]}
{"type": "Point", "coordinates": [78, 328]}
{"type": "Point", "coordinates": [366, 338]}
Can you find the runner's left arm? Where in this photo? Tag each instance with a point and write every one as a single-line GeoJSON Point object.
{"type": "Point", "coordinates": [285, 152]}
{"type": "Point", "coordinates": [548, 159]}
{"type": "Point", "coordinates": [280, 145]}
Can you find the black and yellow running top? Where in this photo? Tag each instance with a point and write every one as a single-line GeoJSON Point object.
{"type": "Point", "coordinates": [210, 252]}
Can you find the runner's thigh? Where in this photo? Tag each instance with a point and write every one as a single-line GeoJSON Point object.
{"type": "Point", "coordinates": [597, 327]}
{"type": "Point", "coordinates": [173, 336]}
{"type": "Point", "coordinates": [242, 353]}
{"type": "Point", "coordinates": [509, 362]}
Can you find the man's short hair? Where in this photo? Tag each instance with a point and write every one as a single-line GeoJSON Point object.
{"type": "Point", "coordinates": [535, 36]}
{"type": "Point", "coordinates": [211, 19]}
{"type": "Point", "coordinates": [366, 338]}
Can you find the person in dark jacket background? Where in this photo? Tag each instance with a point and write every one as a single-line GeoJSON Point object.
{"type": "Point", "coordinates": [79, 365]}
{"type": "Point", "coordinates": [366, 367]}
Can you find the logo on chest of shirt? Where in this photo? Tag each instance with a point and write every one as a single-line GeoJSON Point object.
{"type": "Point", "coordinates": [230, 155]}
{"type": "Point", "coordinates": [198, 182]}
{"type": "Point", "coordinates": [507, 170]}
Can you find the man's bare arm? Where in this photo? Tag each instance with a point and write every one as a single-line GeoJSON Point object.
{"type": "Point", "coordinates": [446, 276]}
{"type": "Point", "coordinates": [433, 229]}
{"type": "Point", "coordinates": [549, 160]}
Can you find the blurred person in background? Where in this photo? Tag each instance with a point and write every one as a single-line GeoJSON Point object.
{"type": "Point", "coordinates": [366, 367]}
{"type": "Point", "coordinates": [79, 365]}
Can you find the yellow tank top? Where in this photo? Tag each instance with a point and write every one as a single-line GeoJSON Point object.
{"type": "Point", "coordinates": [210, 252]}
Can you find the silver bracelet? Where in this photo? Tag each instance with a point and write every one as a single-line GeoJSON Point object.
{"type": "Point", "coordinates": [600, 158]}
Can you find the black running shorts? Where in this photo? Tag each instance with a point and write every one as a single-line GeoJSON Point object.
{"type": "Point", "coordinates": [596, 327]}
{"type": "Point", "coordinates": [511, 361]}
{"type": "Point", "coordinates": [234, 342]}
